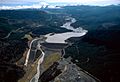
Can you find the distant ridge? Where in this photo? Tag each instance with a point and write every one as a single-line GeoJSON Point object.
{"type": "Point", "coordinates": [44, 5]}
{"type": "Point", "coordinates": [40, 5]}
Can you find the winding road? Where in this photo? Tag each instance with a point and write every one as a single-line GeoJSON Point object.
{"type": "Point", "coordinates": [41, 59]}
{"type": "Point", "coordinates": [28, 53]}
{"type": "Point", "coordinates": [37, 75]}
{"type": "Point", "coordinates": [35, 45]}
{"type": "Point", "coordinates": [13, 31]}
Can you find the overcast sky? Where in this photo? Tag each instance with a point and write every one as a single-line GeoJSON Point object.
{"type": "Point", "coordinates": [88, 2]}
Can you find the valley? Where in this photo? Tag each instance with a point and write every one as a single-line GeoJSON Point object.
{"type": "Point", "coordinates": [74, 43]}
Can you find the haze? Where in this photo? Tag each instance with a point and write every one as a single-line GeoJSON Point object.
{"type": "Point", "coordinates": [83, 2]}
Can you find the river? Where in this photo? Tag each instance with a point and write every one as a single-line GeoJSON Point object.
{"type": "Point", "coordinates": [62, 37]}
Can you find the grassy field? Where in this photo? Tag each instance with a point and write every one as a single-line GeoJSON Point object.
{"type": "Point", "coordinates": [31, 70]}
{"type": "Point", "coordinates": [50, 59]}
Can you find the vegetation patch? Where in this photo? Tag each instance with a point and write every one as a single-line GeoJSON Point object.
{"type": "Point", "coordinates": [50, 59]}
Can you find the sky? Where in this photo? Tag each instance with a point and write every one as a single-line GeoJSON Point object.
{"type": "Point", "coordinates": [89, 2]}
{"type": "Point", "coordinates": [38, 3]}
